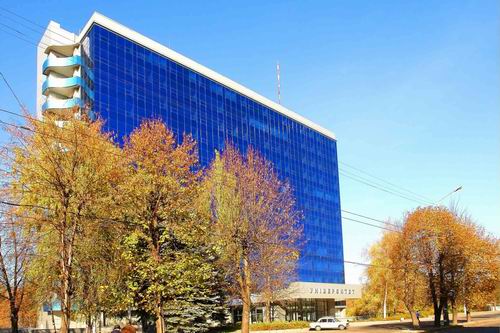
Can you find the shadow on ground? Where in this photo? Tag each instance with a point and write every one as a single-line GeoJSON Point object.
{"type": "Point", "coordinates": [429, 327]}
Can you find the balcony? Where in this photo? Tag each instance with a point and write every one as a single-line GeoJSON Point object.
{"type": "Point", "coordinates": [65, 86]}
{"type": "Point", "coordinates": [65, 50]}
{"type": "Point", "coordinates": [55, 105]}
{"type": "Point", "coordinates": [64, 66]}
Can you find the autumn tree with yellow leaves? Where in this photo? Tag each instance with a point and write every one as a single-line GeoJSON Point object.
{"type": "Point", "coordinates": [458, 259]}
{"type": "Point", "coordinates": [255, 224]}
{"type": "Point", "coordinates": [16, 253]}
{"type": "Point", "coordinates": [63, 177]}
{"type": "Point", "coordinates": [437, 257]}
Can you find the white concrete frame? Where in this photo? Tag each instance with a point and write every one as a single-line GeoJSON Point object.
{"type": "Point", "coordinates": [136, 37]}
{"type": "Point", "coordinates": [53, 35]}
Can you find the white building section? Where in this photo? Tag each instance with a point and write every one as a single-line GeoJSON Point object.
{"type": "Point", "coordinates": [63, 77]}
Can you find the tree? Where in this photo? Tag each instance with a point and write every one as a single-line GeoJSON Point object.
{"type": "Point", "coordinates": [429, 234]}
{"type": "Point", "coordinates": [392, 279]}
{"type": "Point", "coordinates": [277, 271]}
{"type": "Point", "coordinates": [98, 270]}
{"type": "Point", "coordinates": [65, 176]}
{"type": "Point", "coordinates": [459, 261]}
{"type": "Point", "coordinates": [255, 223]}
{"type": "Point", "coordinates": [170, 263]}
{"type": "Point", "coordinates": [409, 282]}
{"type": "Point", "coordinates": [479, 275]}
{"type": "Point", "coordinates": [16, 250]}
{"type": "Point", "coordinates": [381, 275]}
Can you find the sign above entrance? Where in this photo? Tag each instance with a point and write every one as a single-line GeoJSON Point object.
{"type": "Point", "coordinates": [322, 290]}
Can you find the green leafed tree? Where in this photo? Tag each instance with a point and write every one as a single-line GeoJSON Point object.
{"type": "Point", "coordinates": [170, 264]}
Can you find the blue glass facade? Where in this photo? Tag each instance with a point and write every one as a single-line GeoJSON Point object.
{"type": "Point", "coordinates": [132, 82]}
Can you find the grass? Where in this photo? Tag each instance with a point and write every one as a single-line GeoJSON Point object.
{"type": "Point", "coordinates": [405, 315]}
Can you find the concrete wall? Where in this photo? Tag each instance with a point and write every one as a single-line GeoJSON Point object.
{"type": "Point", "coordinates": [44, 321]}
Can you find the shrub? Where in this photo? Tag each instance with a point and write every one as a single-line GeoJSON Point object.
{"type": "Point", "coordinates": [278, 325]}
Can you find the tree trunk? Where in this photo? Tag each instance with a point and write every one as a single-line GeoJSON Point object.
{"type": "Point", "coordinates": [268, 312]}
{"type": "Point", "coordinates": [144, 323]}
{"type": "Point", "coordinates": [52, 316]}
{"type": "Point", "coordinates": [246, 299]}
{"type": "Point", "coordinates": [414, 320]}
{"type": "Point", "coordinates": [245, 317]}
{"type": "Point", "coordinates": [435, 303]}
{"type": "Point", "coordinates": [14, 318]}
{"type": "Point", "coordinates": [385, 300]}
{"type": "Point", "coordinates": [66, 247]}
{"type": "Point", "coordinates": [469, 316]}
{"type": "Point", "coordinates": [413, 314]}
{"type": "Point", "coordinates": [443, 299]}
{"type": "Point", "coordinates": [64, 323]}
{"type": "Point", "coordinates": [155, 252]}
{"type": "Point", "coordinates": [160, 323]}
{"type": "Point", "coordinates": [88, 329]}
{"type": "Point", "coordinates": [65, 308]}
{"type": "Point", "coordinates": [454, 311]}
{"type": "Point", "coordinates": [446, 315]}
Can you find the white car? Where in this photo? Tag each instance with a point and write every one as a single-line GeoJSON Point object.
{"type": "Point", "coordinates": [325, 323]}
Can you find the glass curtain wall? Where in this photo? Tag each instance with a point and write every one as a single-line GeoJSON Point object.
{"type": "Point", "coordinates": [132, 83]}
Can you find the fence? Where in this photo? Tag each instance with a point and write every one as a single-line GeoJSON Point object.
{"type": "Point", "coordinates": [40, 330]}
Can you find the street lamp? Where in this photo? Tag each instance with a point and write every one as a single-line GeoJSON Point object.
{"type": "Point", "coordinates": [447, 195]}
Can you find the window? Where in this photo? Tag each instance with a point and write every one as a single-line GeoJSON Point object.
{"type": "Point", "coordinates": [131, 83]}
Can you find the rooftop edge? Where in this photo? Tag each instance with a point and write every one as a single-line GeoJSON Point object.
{"type": "Point", "coordinates": [134, 36]}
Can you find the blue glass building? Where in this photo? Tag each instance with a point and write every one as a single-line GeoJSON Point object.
{"type": "Point", "coordinates": [126, 77]}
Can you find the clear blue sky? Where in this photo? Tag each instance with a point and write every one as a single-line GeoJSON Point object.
{"type": "Point", "coordinates": [411, 88]}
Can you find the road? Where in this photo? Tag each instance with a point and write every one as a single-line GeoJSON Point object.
{"type": "Point", "coordinates": [483, 322]}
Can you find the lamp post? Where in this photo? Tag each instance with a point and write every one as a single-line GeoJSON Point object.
{"type": "Point", "coordinates": [447, 195]}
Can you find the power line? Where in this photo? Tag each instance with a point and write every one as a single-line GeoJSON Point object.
{"type": "Point", "coordinates": [35, 24]}
{"type": "Point", "coordinates": [344, 218]}
{"type": "Point", "coordinates": [350, 175]}
{"type": "Point", "coordinates": [13, 204]}
{"type": "Point", "coordinates": [344, 172]}
{"type": "Point", "coordinates": [346, 211]}
{"type": "Point", "coordinates": [370, 218]}
{"type": "Point", "coordinates": [369, 224]}
{"type": "Point", "coordinates": [370, 265]}
{"type": "Point", "coordinates": [378, 187]}
{"type": "Point", "coordinates": [23, 34]}
{"type": "Point", "coordinates": [12, 91]}
{"type": "Point", "coordinates": [21, 38]}
{"type": "Point", "coordinates": [31, 118]}
{"type": "Point", "coordinates": [27, 39]}
{"type": "Point", "coordinates": [34, 30]}
{"type": "Point", "coordinates": [394, 191]}
{"type": "Point", "coordinates": [61, 139]}
{"type": "Point", "coordinates": [387, 182]}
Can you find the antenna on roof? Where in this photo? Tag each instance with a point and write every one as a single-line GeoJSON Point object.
{"type": "Point", "coordinates": [278, 81]}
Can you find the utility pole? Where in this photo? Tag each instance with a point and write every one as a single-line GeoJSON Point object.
{"type": "Point", "coordinates": [447, 195]}
{"type": "Point", "coordinates": [278, 82]}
